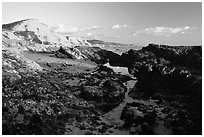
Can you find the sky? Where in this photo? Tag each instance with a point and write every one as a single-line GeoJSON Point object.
{"type": "Point", "coordinates": [124, 22]}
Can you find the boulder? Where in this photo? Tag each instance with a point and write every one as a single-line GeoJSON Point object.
{"type": "Point", "coordinates": [115, 91]}
{"type": "Point", "coordinates": [109, 92]}
{"type": "Point", "coordinates": [68, 52]}
{"type": "Point", "coordinates": [91, 93]}
{"type": "Point", "coordinates": [137, 114]}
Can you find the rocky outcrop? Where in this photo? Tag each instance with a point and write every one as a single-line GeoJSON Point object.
{"type": "Point", "coordinates": [104, 91]}
{"type": "Point", "coordinates": [72, 53]}
{"type": "Point", "coordinates": [35, 104]}
{"type": "Point", "coordinates": [168, 75]}
{"type": "Point", "coordinates": [188, 56]}
{"type": "Point", "coordinates": [152, 119]}
{"type": "Point", "coordinates": [94, 54]}
{"type": "Point", "coordinates": [98, 55]}
{"type": "Point", "coordinates": [166, 69]}
{"type": "Point", "coordinates": [139, 117]}
{"type": "Point", "coordinates": [15, 65]}
{"type": "Point", "coordinates": [115, 91]}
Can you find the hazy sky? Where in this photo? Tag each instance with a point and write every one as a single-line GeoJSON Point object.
{"type": "Point", "coordinates": [140, 23]}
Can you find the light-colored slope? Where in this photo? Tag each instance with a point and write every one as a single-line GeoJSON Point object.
{"type": "Point", "coordinates": [44, 33]}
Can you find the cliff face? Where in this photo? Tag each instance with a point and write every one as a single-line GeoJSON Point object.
{"type": "Point", "coordinates": [36, 33]}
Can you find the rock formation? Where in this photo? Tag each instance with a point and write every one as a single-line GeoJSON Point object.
{"type": "Point", "coordinates": [169, 75]}
{"type": "Point", "coordinates": [166, 68]}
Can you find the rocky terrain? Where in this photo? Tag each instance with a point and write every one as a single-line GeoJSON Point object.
{"type": "Point", "coordinates": [173, 77]}
{"type": "Point", "coordinates": [61, 85]}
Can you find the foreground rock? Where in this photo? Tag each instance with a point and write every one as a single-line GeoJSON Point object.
{"type": "Point", "coordinates": [108, 91]}
{"type": "Point", "coordinates": [168, 75]}
{"type": "Point", "coordinates": [35, 104]}
{"type": "Point", "coordinates": [139, 117]}
{"type": "Point", "coordinates": [163, 69]}
{"type": "Point", "coordinates": [104, 88]}
{"type": "Point", "coordinates": [15, 65]}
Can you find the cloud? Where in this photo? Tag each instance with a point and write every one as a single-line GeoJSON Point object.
{"type": "Point", "coordinates": [99, 35]}
{"type": "Point", "coordinates": [167, 31]}
{"type": "Point", "coordinates": [117, 26]}
{"type": "Point", "coordinates": [94, 35]}
{"type": "Point", "coordinates": [89, 34]}
{"type": "Point", "coordinates": [164, 31]}
{"type": "Point", "coordinates": [136, 33]}
{"type": "Point", "coordinates": [61, 28]}
{"type": "Point", "coordinates": [117, 36]}
{"type": "Point", "coordinates": [90, 28]}
{"type": "Point", "coordinates": [94, 27]}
